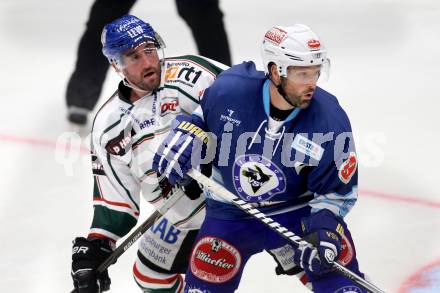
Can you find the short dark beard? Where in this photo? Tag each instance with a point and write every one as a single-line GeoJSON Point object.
{"type": "Point", "coordinates": [139, 82]}
{"type": "Point", "coordinates": [295, 101]}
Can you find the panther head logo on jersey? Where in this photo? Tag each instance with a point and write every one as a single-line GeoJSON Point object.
{"type": "Point", "coordinates": [256, 176]}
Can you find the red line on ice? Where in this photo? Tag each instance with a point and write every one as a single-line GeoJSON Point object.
{"type": "Point", "coordinates": [39, 142]}
{"type": "Point", "coordinates": [400, 198]}
{"type": "Point", "coordinates": [84, 150]}
{"type": "Point", "coordinates": [418, 279]}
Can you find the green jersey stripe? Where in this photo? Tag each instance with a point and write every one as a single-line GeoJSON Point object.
{"type": "Point", "coordinates": [115, 94]}
{"type": "Point", "coordinates": [116, 222]}
{"type": "Point", "coordinates": [201, 61]}
{"type": "Point", "coordinates": [119, 181]}
{"type": "Point", "coordinates": [142, 139]}
{"type": "Point", "coordinates": [96, 191]}
{"type": "Point", "coordinates": [195, 211]}
{"type": "Point", "coordinates": [114, 124]}
{"type": "Point", "coordinates": [181, 91]}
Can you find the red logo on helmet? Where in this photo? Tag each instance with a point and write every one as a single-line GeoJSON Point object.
{"type": "Point", "coordinates": [314, 44]}
{"type": "Point", "coordinates": [275, 35]}
{"type": "Point", "coordinates": [348, 168]}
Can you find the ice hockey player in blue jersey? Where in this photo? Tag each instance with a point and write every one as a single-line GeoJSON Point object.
{"type": "Point", "coordinates": [282, 144]}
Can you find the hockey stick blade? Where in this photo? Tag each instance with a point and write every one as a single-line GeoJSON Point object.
{"type": "Point", "coordinates": [136, 234]}
{"type": "Point", "coordinates": [294, 239]}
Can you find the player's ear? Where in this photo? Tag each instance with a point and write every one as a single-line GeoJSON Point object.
{"type": "Point", "coordinates": [118, 70]}
{"type": "Point", "coordinates": [274, 74]}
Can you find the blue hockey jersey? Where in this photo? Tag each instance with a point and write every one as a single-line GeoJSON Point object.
{"type": "Point", "coordinates": [307, 159]}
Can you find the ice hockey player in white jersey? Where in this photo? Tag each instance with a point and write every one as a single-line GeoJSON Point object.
{"type": "Point", "coordinates": [125, 134]}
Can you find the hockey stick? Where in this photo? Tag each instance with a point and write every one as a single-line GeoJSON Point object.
{"type": "Point", "coordinates": [136, 234]}
{"type": "Point", "coordinates": [273, 225]}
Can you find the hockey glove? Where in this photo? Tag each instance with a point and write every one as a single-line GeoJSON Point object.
{"type": "Point", "coordinates": [191, 188]}
{"type": "Point", "coordinates": [181, 150]}
{"type": "Point", "coordinates": [322, 232]}
{"type": "Point", "coordinates": [87, 255]}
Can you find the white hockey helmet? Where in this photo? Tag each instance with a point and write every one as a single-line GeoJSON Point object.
{"type": "Point", "coordinates": [295, 45]}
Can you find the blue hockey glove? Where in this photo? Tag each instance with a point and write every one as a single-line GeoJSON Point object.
{"type": "Point", "coordinates": [322, 231]}
{"type": "Point", "coordinates": [181, 150]}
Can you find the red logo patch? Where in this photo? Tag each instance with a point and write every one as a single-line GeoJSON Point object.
{"type": "Point", "coordinates": [314, 44]}
{"type": "Point", "coordinates": [348, 168]}
{"type": "Point", "coordinates": [347, 252]}
{"type": "Point", "coordinates": [215, 260]}
{"type": "Point", "coordinates": [169, 106]}
{"type": "Point", "coordinates": [275, 35]}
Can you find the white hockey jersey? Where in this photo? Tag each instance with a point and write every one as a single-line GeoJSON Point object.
{"type": "Point", "coordinates": [125, 136]}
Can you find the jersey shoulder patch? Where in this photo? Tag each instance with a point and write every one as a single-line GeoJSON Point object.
{"type": "Point", "coordinates": [348, 168]}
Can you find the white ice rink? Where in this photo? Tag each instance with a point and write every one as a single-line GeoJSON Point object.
{"type": "Point", "coordinates": [385, 71]}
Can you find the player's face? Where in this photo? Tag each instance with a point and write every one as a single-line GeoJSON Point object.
{"type": "Point", "coordinates": [300, 84]}
{"type": "Point", "coordinates": [142, 67]}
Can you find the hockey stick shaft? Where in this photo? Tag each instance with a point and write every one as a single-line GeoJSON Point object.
{"type": "Point", "coordinates": [131, 239]}
{"type": "Point", "coordinates": [221, 191]}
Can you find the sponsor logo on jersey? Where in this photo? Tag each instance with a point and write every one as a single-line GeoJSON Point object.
{"type": "Point", "coordinates": [348, 168]}
{"type": "Point", "coordinates": [147, 123]}
{"type": "Point", "coordinates": [229, 118]}
{"type": "Point", "coordinates": [178, 64]}
{"type": "Point", "coordinates": [275, 35]}
{"type": "Point", "coordinates": [307, 147]}
{"type": "Point", "coordinates": [166, 231]}
{"type": "Point", "coordinates": [190, 74]}
{"type": "Point", "coordinates": [214, 260]}
{"type": "Point", "coordinates": [313, 44]}
{"type": "Point", "coordinates": [97, 167]}
{"type": "Point", "coordinates": [171, 72]}
{"type": "Point", "coordinates": [256, 178]}
{"type": "Point", "coordinates": [142, 124]}
{"type": "Point", "coordinates": [117, 146]}
{"type": "Point", "coordinates": [349, 289]}
{"type": "Point", "coordinates": [201, 94]}
{"type": "Point", "coordinates": [182, 71]}
{"type": "Point", "coordinates": [284, 255]}
{"type": "Point", "coordinates": [169, 105]}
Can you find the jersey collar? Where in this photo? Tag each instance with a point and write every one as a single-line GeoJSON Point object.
{"type": "Point", "coordinates": [266, 102]}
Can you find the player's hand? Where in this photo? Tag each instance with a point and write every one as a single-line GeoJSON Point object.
{"type": "Point", "coordinates": [87, 255]}
{"type": "Point", "coordinates": [181, 150]}
{"type": "Point", "coordinates": [190, 187]}
{"type": "Point", "coordinates": [324, 242]}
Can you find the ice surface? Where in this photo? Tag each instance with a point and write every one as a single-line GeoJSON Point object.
{"type": "Point", "coordinates": [385, 70]}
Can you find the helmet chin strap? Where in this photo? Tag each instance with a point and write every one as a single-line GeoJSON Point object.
{"type": "Point", "coordinates": [281, 91]}
{"type": "Point", "coordinates": [131, 85]}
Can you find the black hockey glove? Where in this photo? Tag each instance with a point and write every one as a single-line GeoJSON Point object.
{"type": "Point", "coordinates": [87, 255]}
{"type": "Point", "coordinates": [191, 188]}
